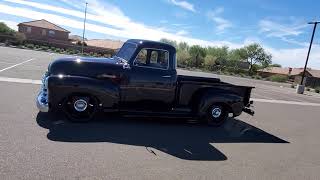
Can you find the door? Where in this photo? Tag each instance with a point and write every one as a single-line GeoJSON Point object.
{"type": "Point", "coordinates": [150, 82]}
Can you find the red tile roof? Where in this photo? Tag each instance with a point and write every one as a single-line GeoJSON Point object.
{"type": "Point", "coordinates": [44, 24]}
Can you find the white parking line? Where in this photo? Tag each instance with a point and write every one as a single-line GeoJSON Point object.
{"type": "Point", "coordinates": [16, 65]}
{"type": "Point", "coordinates": [18, 80]}
{"type": "Point", "coordinates": [285, 102]}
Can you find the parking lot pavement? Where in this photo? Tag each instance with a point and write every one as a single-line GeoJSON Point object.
{"type": "Point", "coordinates": [279, 142]}
{"type": "Point", "coordinates": [34, 63]}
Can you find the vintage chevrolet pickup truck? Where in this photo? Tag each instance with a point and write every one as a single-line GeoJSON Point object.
{"type": "Point", "coordinates": [141, 80]}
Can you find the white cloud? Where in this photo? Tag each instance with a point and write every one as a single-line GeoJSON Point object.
{"type": "Point", "coordinates": [283, 31]}
{"type": "Point", "coordinates": [296, 57]}
{"type": "Point", "coordinates": [10, 24]}
{"type": "Point", "coordinates": [221, 23]}
{"type": "Point", "coordinates": [122, 26]}
{"type": "Point", "coordinates": [182, 33]}
{"type": "Point", "coordinates": [184, 4]}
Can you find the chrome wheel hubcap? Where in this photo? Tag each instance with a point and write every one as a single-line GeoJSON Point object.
{"type": "Point", "coordinates": [216, 112]}
{"type": "Point", "coordinates": [80, 105]}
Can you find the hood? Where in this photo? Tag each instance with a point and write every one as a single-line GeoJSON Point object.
{"type": "Point", "coordinates": [90, 67]}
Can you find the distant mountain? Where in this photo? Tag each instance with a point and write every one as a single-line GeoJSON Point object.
{"type": "Point", "coordinates": [105, 43]}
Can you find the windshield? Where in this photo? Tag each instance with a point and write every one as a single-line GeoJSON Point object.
{"type": "Point", "coordinates": [126, 51]}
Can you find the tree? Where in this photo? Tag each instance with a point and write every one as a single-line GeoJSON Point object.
{"type": "Point", "coordinates": [275, 65]}
{"type": "Point", "coordinates": [4, 29]}
{"type": "Point", "coordinates": [168, 41]}
{"type": "Point", "coordinates": [183, 58]}
{"type": "Point", "coordinates": [197, 54]}
{"type": "Point", "coordinates": [221, 56]}
{"type": "Point", "coordinates": [256, 55]}
{"type": "Point", "coordinates": [210, 62]}
{"type": "Point", "coordinates": [183, 46]}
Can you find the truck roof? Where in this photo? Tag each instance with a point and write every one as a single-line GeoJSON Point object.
{"type": "Point", "coordinates": [142, 42]}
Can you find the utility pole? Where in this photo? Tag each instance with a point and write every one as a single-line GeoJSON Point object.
{"type": "Point", "coordinates": [300, 88]}
{"type": "Point", "coordinates": [84, 27]}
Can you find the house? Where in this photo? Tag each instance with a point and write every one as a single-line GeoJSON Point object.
{"type": "Point", "coordinates": [312, 76]}
{"type": "Point", "coordinates": [43, 30]}
{"type": "Point", "coordinates": [105, 43]}
{"type": "Point", "coordinates": [291, 72]}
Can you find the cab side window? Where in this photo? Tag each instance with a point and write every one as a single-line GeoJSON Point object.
{"type": "Point", "coordinates": [152, 58]}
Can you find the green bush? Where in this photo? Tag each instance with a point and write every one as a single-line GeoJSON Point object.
{"type": "Point", "coordinates": [57, 50]}
{"type": "Point", "coordinates": [257, 77]}
{"type": "Point", "coordinates": [278, 78]}
{"type": "Point", "coordinates": [30, 46]}
{"type": "Point", "coordinates": [44, 48]}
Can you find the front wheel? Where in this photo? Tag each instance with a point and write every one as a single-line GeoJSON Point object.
{"type": "Point", "coordinates": [80, 108]}
{"type": "Point", "coordinates": [216, 115]}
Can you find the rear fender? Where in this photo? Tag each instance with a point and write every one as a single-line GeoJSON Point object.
{"type": "Point", "coordinates": [233, 102]}
{"type": "Point", "coordinates": [105, 91]}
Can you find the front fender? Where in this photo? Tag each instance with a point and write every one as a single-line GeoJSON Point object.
{"type": "Point", "coordinates": [233, 102]}
{"type": "Point", "coordinates": [60, 87]}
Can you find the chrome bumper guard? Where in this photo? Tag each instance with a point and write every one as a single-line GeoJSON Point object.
{"type": "Point", "coordinates": [42, 99]}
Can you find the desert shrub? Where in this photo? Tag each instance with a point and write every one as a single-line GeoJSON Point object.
{"type": "Point", "coordinates": [278, 78]}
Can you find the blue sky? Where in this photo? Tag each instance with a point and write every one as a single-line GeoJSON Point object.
{"type": "Point", "coordinates": [280, 26]}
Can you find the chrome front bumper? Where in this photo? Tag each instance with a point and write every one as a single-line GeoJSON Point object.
{"type": "Point", "coordinates": [42, 99]}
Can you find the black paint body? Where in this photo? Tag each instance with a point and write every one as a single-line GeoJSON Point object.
{"type": "Point", "coordinates": [146, 91]}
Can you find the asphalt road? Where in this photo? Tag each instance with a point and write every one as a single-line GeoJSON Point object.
{"type": "Point", "coordinates": [280, 142]}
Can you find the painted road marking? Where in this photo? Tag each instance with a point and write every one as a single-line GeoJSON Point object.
{"type": "Point", "coordinates": [16, 65]}
{"type": "Point", "coordinates": [285, 102]}
{"type": "Point", "coordinates": [18, 80]}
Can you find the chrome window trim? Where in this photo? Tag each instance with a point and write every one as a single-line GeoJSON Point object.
{"type": "Point", "coordinates": [136, 46]}
{"type": "Point", "coordinates": [150, 66]}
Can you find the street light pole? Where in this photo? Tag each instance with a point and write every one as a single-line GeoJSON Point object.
{"type": "Point", "coordinates": [84, 27]}
{"type": "Point", "coordinates": [305, 66]}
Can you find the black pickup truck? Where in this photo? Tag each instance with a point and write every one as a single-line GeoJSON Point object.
{"type": "Point", "coordinates": [141, 80]}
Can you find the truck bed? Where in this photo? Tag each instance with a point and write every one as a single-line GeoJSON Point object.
{"type": "Point", "coordinates": [185, 75]}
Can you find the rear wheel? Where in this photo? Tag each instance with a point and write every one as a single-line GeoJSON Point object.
{"type": "Point", "coordinates": [216, 115]}
{"type": "Point", "coordinates": [80, 108]}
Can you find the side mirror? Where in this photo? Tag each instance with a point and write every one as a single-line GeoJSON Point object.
{"type": "Point", "coordinates": [126, 66]}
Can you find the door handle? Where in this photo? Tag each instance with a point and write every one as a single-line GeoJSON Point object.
{"type": "Point", "coordinates": [167, 76]}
